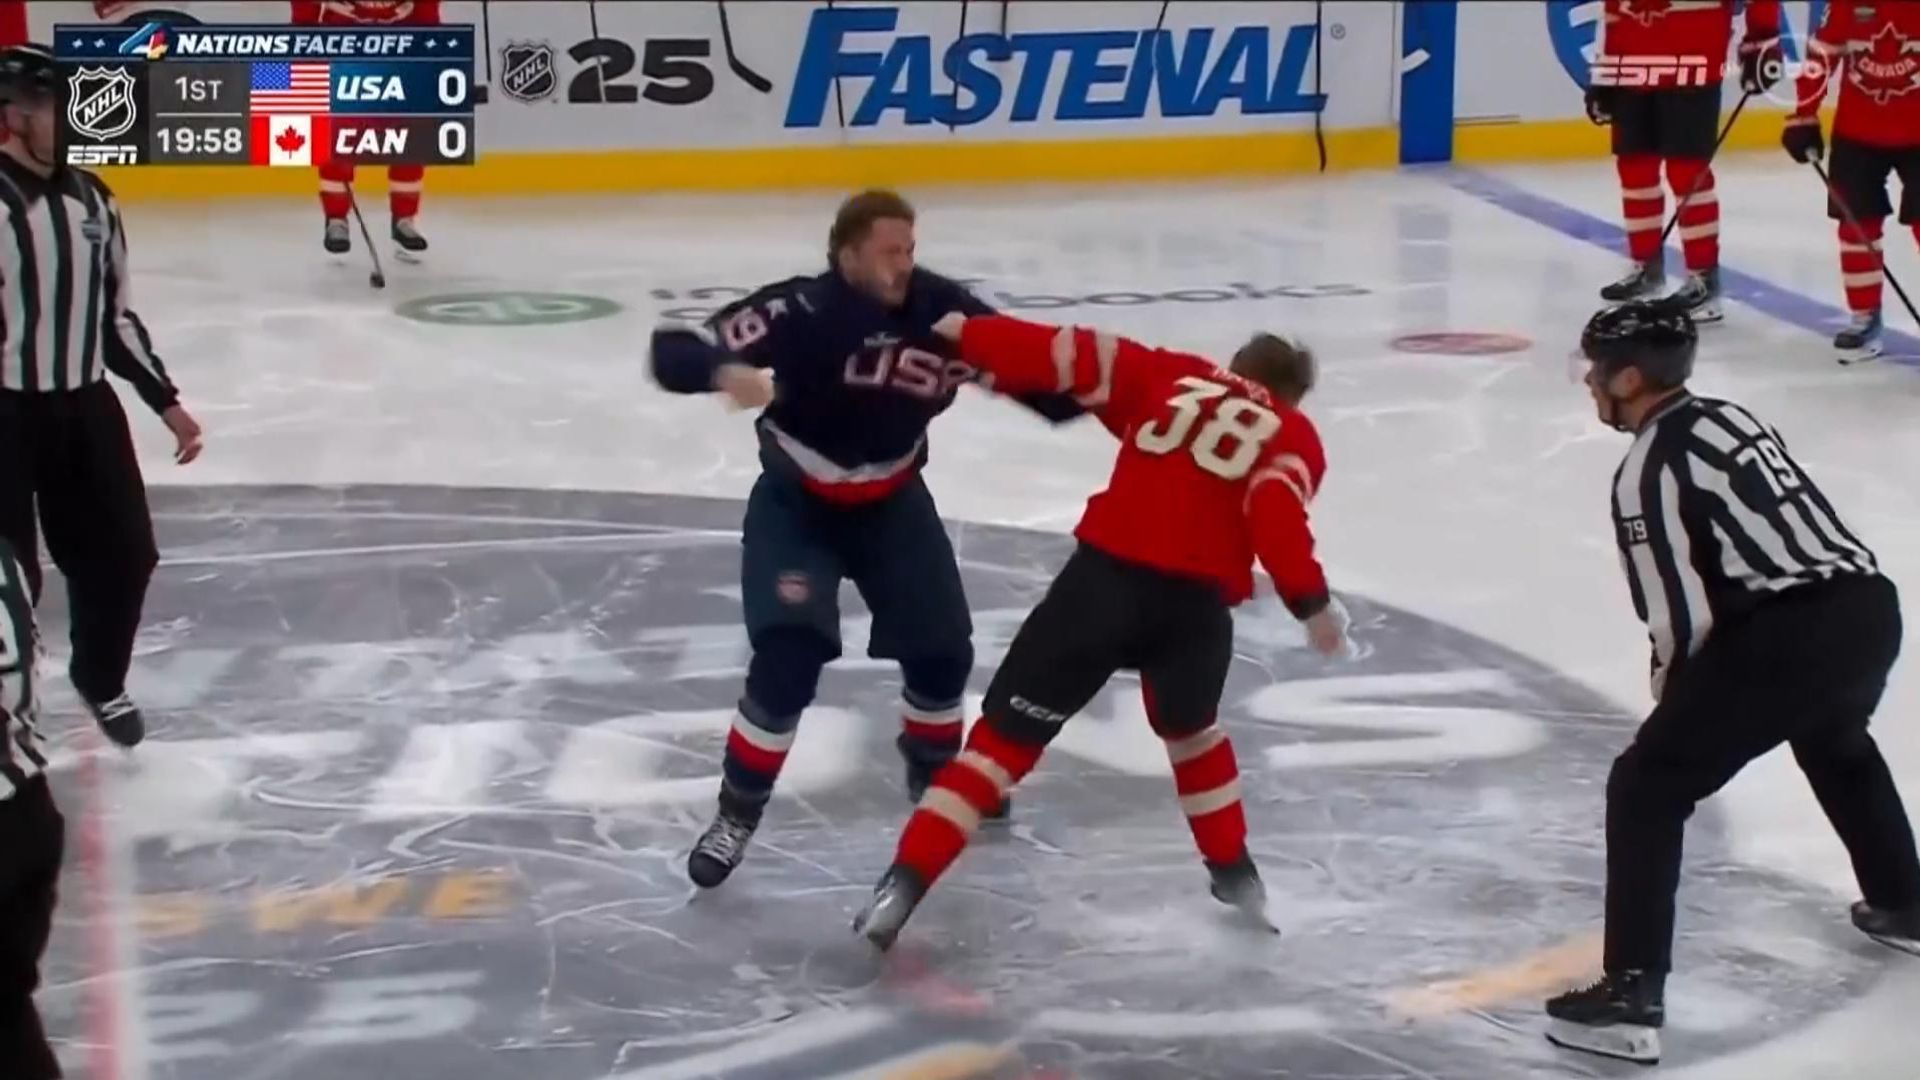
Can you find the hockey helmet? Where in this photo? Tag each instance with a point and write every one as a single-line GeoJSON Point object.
{"type": "Point", "coordinates": [28, 73]}
{"type": "Point", "coordinates": [1655, 336]}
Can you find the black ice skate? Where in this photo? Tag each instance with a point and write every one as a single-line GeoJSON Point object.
{"type": "Point", "coordinates": [1237, 884]}
{"type": "Point", "coordinates": [1700, 296]}
{"type": "Point", "coordinates": [1619, 1017]}
{"type": "Point", "coordinates": [406, 236]}
{"type": "Point", "coordinates": [724, 844]}
{"type": "Point", "coordinates": [337, 240]}
{"type": "Point", "coordinates": [1895, 929]}
{"type": "Point", "coordinates": [1644, 280]}
{"type": "Point", "coordinates": [119, 718]}
{"type": "Point", "coordinates": [1860, 341]}
{"type": "Point", "coordinates": [921, 768]}
{"type": "Point", "coordinates": [900, 891]}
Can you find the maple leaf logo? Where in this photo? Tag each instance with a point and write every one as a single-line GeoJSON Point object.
{"type": "Point", "coordinates": [290, 141]}
{"type": "Point", "coordinates": [1887, 66]}
{"type": "Point", "coordinates": [1646, 12]}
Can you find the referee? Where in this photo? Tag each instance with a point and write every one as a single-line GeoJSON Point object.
{"type": "Point", "coordinates": [32, 836]}
{"type": "Point", "coordinates": [1770, 624]}
{"type": "Point", "coordinates": [64, 444]}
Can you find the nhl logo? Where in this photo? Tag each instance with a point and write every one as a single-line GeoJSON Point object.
{"type": "Point", "coordinates": [100, 102]}
{"type": "Point", "coordinates": [527, 70]}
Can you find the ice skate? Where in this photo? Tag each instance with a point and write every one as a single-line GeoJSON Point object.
{"type": "Point", "coordinates": [724, 844]}
{"type": "Point", "coordinates": [1860, 341]}
{"type": "Point", "coordinates": [921, 768]}
{"type": "Point", "coordinates": [1619, 1017]}
{"type": "Point", "coordinates": [119, 718]}
{"type": "Point", "coordinates": [1643, 281]}
{"type": "Point", "coordinates": [1700, 296]}
{"type": "Point", "coordinates": [336, 238]}
{"type": "Point", "coordinates": [407, 238]}
{"type": "Point", "coordinates": [1238, 885]}
{"type": "Point", "coordinates": [1894, 929]}
{"type": "Point", "coordinates": [894, 898]}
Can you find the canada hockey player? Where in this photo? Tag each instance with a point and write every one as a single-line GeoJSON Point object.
{"type": "Point", "coordinates": [404, 182]}
{"type": "Point", "coordinates": [1669, 116]}
{"type": "Point", "coordinates": [1216, 469]}
{"type": "Point", "coordinates": [1876, 131]}
{"type": "Point", "coordinates": [850, 373]}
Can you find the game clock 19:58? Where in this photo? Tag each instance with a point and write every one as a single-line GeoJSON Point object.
{"type": "Point", "coordinates": [200, 142]}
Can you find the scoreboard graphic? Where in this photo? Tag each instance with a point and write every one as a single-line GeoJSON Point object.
{"type": "Point", "coordinates": [266, 95]}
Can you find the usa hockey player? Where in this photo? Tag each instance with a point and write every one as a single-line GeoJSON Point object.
{"type": "Point", "coordinates": [1216, 468]}
{"type": "Point", "coordinates": [404, 182]}
{"type": "Point", "coordinates": [1876, 131]}
{"type": "Point", "coordinates": [1667, 114]}
{"type": "Point", "coordinates": [850, 374]}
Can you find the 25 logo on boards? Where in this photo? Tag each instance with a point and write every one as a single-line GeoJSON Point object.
{"type": "Point", "coordinates": [673, 71]}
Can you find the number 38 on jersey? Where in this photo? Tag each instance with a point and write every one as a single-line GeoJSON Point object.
{"type": "Point", "coordinates": [1225, 439]}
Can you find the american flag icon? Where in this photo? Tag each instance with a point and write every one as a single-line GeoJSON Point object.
{"type": "Point", "coordinates": [297, 87]}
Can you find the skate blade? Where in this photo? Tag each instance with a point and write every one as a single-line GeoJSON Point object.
{"type": "Point", "coordinates": [1905, 945]}
{"type": "Point", "coordinates": [1624, 1042]}
{"type": "Point", "coordinates": [1859, 356]}
{"type": "Point", "coordinates": [1708, 313]}
{"type": "Point", "coordinates": [411, 258]}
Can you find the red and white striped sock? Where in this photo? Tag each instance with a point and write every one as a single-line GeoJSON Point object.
{"type": "Point", "coordinates": [1643, 203]}
{"type": "Point", "coordinates": [1699, 225]}
{"type": "Point", "coordinates": [1207, 776]}
{"type": "Point", "coordinates": [1862, 271]}
{"type": "Point", "coordinates": [757, 747]}
{"type": "Point", "coordinates": [973, 785]}
{"type": "Point", "coordinates": [934, 732]}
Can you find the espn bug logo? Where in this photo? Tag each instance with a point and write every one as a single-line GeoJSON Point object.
{"type": "Point", "coordinates": [1653, 72]}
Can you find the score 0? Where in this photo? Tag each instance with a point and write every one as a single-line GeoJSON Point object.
{"type": "Point", "coordinates": [454, 135]}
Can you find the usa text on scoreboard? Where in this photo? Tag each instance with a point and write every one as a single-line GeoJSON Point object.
{"type": "Point", "coordinates": [266, 95]}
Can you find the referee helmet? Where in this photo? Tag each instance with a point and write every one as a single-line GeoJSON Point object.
{"type": "Point", "coordinates": [28, 74]}
{"type": "Point", "coordinates": [1654, 336]}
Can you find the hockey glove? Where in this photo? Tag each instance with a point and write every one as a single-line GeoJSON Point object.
{"type": "Point", "coordinates": [1802, 139]}
{"type": "Point", "coordinates": [1761, 63]}
{"type": "Point", "coordinates": [1600, 104]}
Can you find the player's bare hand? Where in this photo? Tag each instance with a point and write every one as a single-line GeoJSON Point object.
{"type": "Point", "coordinates": [949, 325]}
{"type": "Point", "coordinates": [746, 386]}
{"type": "Point", "coordinates": [188, 440]}
{"type": "Point", "coordinates": [1327, 632]}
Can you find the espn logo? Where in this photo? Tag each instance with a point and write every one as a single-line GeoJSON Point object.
{"type": "Point", "coordinates": [1655, 71]}
{"type": "Point", "coordinates": [103, 155]}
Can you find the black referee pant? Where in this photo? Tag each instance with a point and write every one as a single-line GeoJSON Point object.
{"type": "Point", "coordinates": [70, 451]}
{"type": "Point", "coordinates": [1806, 668]}
{"type": "Point", "coordinates": [32, 840]}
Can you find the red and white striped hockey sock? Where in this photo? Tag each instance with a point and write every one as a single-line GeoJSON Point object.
{"type": "Point", "coordinates": [1207, 776]}
{"type": "Point", "coordinates": [1643, 203]}
{"type": "Point", "coordinates": [757, 747]}
{"type": "Point", "coordinates": [934, 732]}
{"type": "Point", "coordinates": [1862, 271]}
{"type": "Point", "coordinates": [1699, 226]}
{"type": "Point", "coordinates": [973, 785]}
{"type": "Point", "coordinates": [403, 189]}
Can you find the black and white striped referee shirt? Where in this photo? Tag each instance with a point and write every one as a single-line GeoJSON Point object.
{"type": "Point", "coordinates": [22, 754]}
{"type": "Point", "coordinates": [1713, 517]}
{"type": "Point", "coordinates": [64, 314]}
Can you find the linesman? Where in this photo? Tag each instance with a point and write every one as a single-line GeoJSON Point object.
{"type": "Point", "coordinates": [64, 443]}
{"type": "Point", "coordinates": [1770, 623]}
{"type": "Point", "coordinates": [32, 836]}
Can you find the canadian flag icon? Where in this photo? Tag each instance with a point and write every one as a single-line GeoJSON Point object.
{"type": "Point", "coordinates": [298, 139]}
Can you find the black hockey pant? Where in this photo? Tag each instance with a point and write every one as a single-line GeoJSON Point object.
{"type": "Point", "coordinates": [70, 452]}
{"type": "Point", "coordinates": [1806, 669]}
{"type": "Point", "coordinates": [32, 839]}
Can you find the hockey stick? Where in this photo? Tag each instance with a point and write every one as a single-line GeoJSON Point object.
{"type": "Point", "coordinates": [1319, 50]}
{"type": "Point", "coordinates": [600, 68]}
{"type": "Point", "coordinates": [485, 89]}
{"type": "Point", "coordinates": [377, 279]}
{"type": "Point", "coordinates": [1854, 222]}
{"type": "Point", "coordinates": [1694, 188]}
{"type": "Point", "coordinates": [753, 78]}
{"type": "Point", "coordinates": [839, 100]}
{"type": "Point", "coordinates": [954, 108]}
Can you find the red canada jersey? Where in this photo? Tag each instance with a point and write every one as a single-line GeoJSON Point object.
{"type": "Point", "coordinates": [366, 12]}
{"type": "Point", "coordinates": [1213, 471]}
{"type": "Point", "coordinates": [1876, 47]}
{"type": "Point", "coordinates": [1682, 28]}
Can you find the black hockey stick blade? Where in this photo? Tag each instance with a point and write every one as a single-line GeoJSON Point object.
{"type": "Point", "coordinates": [734, 64]}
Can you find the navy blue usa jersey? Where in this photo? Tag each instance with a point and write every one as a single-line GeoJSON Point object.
{"type": "Point", "coordinates": [855, 382]}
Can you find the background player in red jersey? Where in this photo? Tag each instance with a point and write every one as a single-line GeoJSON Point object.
{"type": "Point", "coordinates": [1876, 131]}
{"type": "Point", "coordinates": [1674, 120]}
{"type": "Point", "coordinates": [403, 181]}
{"type": "Point", "coordinates": [1216, 468]}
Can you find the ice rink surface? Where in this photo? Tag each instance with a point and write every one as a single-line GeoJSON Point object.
{"type": "Point", "coordinates": [442, 649]}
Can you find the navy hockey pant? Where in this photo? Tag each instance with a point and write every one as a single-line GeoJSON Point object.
{"type": "Point", "coordinates": [1807, 669]}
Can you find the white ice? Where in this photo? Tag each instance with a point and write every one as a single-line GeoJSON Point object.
{"type": "Point", "coordinates": [1470, 490]}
